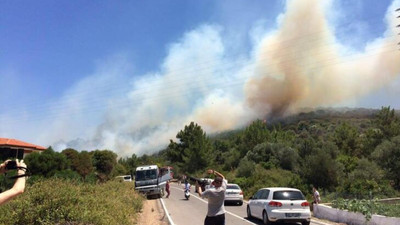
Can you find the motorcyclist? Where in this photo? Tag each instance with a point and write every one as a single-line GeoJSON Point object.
{"type": "Point", "coordinates": [187, 186]}
{"type": "Point", "coordinates": [187, 190]}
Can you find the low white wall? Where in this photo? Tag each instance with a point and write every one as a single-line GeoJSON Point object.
{"type": "Point", "coordinates": [343, 216]}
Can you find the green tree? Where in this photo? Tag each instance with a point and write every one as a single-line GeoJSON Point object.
{"type": "Point", "coordinates": [118, 170]}
{"type": "Point", "coordinates": [365, 181]}
{"type": "Point", "coordinates": [231, 159]}
{"type": "Point", "coordinates": [147, 159]}
{"type": "Point", "coordinates": [274, 154]}
{"type": "Point", "coordinates": [369, 140]}
{"type": "Point", "coordinates": [321, 170]}
{"type": "Point", "coordinates": [72, 156]}
{"type": "Point", "coordinates": [104, 162]}
{"type": "Point", "coordinates": [349, 162]}
{"type": "Point", "coordinates": [262, 177]}
{"type": "Point", "coordinates": [130, 163]}
{"type": "Point", "coordinates": [246, 168]}
{"type": "Point", "coordinates": [387, 155]}
{"type": "Point", "coordinates": [81, 162]}
{"type": "Point", "coordinates": [220, 147]}
{"type": "Point", "coordinates": [84, 164]}
{"type": "Point", "coordinates": [46, 163]}
{"type": "Point", "coordinates": [305, 144]}
{"type": "Point", "coordinates": [253, 135]}
{"type": "Point", "coordinates": [278, 135]}
{"type": "Point", "coordinates": [345, 137]}
{"type": "Point", "coordinates": [388, 122]}
{"type": "Point", "coordinates": [192, 150]}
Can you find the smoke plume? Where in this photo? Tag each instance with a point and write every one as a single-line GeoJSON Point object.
{"type": "Point", "coordinates": [299, 64]}
{"type": "Point", "coordinates": [302, 65]}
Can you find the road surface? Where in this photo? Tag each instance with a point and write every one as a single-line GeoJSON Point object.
{"type": "Point", "coordinates": [194, 210]}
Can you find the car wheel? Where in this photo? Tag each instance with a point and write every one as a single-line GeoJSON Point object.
{"type": "Point", "coordinates": [305, 223]}
{"type": "Point", "coordinates": [241, 203]}
{"type": "Point", "coordinates": [265, 218]}
{"type": "Point", "coordinates": [249, 213]}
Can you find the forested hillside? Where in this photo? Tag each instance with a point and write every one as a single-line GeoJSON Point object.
{"type": "Point", "coordinates": [344, 153]}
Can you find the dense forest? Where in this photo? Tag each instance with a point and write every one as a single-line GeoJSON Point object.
{"type": "Point", "coordinates": [350, 153]}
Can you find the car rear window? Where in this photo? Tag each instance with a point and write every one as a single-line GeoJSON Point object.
{"type": "Point", "coordinates": [232, 187]}
{"type": "Point", "coordinates": [288, 195]}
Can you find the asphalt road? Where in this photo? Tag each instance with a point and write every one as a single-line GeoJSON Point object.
{"type": "Point", "coordinates": [194, 210]}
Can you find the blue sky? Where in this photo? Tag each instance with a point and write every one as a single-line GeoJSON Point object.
{"type": "Point", "coordinates": [122, 74]}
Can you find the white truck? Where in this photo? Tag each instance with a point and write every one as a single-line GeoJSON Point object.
{"type": "Point", "coordinates": [151, 180]}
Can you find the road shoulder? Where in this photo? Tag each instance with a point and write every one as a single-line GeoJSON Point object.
{"type": "Point", "coordinates": [152, 213]}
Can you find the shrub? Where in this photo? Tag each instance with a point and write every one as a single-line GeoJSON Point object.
{"type": "Point", "coordinates": [262, 178]}
{"type": "Point", "coordinates": [367, 207]}
{"type": "Point", "coordinates": [57, 201]}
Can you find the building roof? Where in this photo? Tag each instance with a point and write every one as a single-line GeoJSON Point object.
{"type": "Point", "coordinates": [6, 142]}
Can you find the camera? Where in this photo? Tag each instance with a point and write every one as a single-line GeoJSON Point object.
{"type": "Point", "coordinates": [11, 165]}
{"type": "Point", "coordinates": [202, 182]}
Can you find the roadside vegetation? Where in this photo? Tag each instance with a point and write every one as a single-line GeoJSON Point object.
{"type": "Point", "coordinates": [367, 207]}
{"type": "Point", "coordinates": [59, 201]}
{"type": "Point", "coordinates": [348, 153]}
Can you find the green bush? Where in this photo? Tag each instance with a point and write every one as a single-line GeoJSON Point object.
{"type": "Point", "coordinates": [262, 178]}
{"type": "Point", "coordinates": [58, 201]}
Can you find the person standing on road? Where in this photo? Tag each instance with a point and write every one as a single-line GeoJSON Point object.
{"type": "Point", "coordinates": [167, 188]}
{"type": "Point", "coordinates": [216, 198]}
{"type": "Point", "coordinates": [316, 196]}
{"type": "Point", "coordinates": [19, 185]}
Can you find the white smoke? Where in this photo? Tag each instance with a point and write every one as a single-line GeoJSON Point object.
{"type": "Point", "coordinates": [299, 64]}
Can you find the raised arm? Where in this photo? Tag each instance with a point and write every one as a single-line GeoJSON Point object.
{"type": "Point", "coordinates": [216, 173]}
{"type": "Point", "coordinates": [18, 188]}
{"type": "Point", "coordinates": [198, 188]}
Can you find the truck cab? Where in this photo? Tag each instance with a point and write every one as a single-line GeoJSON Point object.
{"type": "Point", "coordinates": [151, 180]}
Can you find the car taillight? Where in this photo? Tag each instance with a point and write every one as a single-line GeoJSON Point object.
{"type": "Point", "coordinates": [275, 204]}
{"type": "Point", "coordinates": [305, 204]}
{"type": "Point", "coordinates": [241, 193]}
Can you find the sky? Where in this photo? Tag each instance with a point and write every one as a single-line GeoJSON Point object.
{"type": "Point", "coordinates": [129, 75]}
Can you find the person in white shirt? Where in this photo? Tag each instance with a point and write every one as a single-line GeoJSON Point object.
{"type": "Point", "coordinates": [316, 196]}
{"type": "Point", "coordinates": [216, 198]}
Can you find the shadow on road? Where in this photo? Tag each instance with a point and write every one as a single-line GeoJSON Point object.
{"type": "Point", "coordinates": [259, 222]}
{"type": "Point", "coordinates": [232, 204]}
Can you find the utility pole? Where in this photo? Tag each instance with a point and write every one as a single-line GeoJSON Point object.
{"type": "Point", "coordinates": [398, 10]}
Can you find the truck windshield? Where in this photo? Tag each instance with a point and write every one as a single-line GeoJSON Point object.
{"type": "Point", "coordinates": [146, 175]}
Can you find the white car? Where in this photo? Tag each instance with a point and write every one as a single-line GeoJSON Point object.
{"type": "Point", "coordinates": [233, 194]}
{"type": "Point", "coordinates": [279, 205]}
{"type": "Point", "coordinates": [125, 178]}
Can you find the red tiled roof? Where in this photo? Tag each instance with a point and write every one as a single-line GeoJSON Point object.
{"type": "Point", "coordinates": [17, 143]}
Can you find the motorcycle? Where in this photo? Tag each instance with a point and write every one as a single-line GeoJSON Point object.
{"type": "Point", "coordinates": [187, 194]}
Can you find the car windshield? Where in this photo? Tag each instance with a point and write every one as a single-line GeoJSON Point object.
{"type": "Point", "coordinates": [230, 186]}
{"type": "Point", "coordinates": [288, 195]}
{"type": "Point", "coordinates": [146, 175]}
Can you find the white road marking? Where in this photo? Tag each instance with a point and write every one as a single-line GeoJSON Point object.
{"type": "Point", "coordinates": [230, 213]}
{"type": "Point", "coordinates": [166, 212]}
